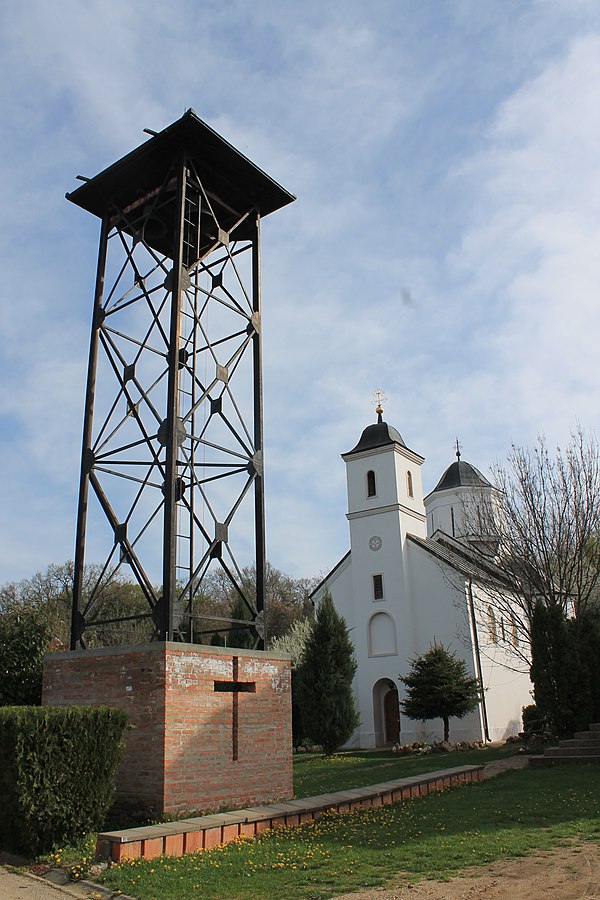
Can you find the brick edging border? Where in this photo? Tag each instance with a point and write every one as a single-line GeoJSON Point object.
{"type": "Point", "coordinates": [207, 832]}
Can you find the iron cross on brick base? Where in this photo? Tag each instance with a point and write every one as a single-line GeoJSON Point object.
{"type": "Point", "coordinates": [235, 687]}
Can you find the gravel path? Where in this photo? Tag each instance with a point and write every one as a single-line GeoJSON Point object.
{"type": "Point", "coordinates": [28, 887]}
{"type": "Point", "coordinates": [567, 873]}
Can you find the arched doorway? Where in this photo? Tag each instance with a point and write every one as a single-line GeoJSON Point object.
{"type": "Point", "coordinates": [386, 712]}
{"type": "Point", "coordinates": [391, 715]}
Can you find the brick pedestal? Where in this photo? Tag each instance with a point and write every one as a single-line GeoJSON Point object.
{"type": "Point", "coordinates": [212, 726]}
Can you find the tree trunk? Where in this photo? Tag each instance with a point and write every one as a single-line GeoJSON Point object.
{"type": "Point", "coordinates": [446, 728]}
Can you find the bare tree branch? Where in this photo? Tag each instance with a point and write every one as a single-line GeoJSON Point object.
{"type": "Point", "coordinates": [543, 522]}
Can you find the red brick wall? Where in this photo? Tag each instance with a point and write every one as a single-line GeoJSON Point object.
{"type": "Point", "coordinates": [179, 757]}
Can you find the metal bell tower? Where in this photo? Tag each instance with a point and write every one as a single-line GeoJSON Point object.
{"type": "Point", "coordinates": [171, 481]}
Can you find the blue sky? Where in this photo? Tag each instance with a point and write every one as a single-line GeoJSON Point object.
{"type": "Point", "coordinates": [444, 245]}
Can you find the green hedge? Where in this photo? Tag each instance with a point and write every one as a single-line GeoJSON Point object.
{"type": "Point", "coordinates": [58, 768]}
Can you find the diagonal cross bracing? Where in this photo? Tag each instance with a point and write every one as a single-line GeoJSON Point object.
{"type": "Point", "coordinates": [176, 393]}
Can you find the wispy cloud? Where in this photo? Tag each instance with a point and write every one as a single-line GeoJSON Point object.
{"type": "Point", "coordinates": [530, 252]}
{"type": "Point", "coordinates": [443, 246]}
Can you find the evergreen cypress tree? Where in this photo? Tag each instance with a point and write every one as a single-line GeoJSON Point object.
{"type": "Point", "coordinates": [329, 713]}
{"type": "Point", "coordinates": [439, 687]}
{"type": "Point", "coordinates": [591, 643]}
{"type": "Point", "coordinates": [554, 667]}
{"type": "Point", "coordinates": [564, 667]}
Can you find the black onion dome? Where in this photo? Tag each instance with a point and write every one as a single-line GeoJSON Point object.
{"type": "Point", "coordinates": [461, 474]}
{"type": "Point", "coordinates": [378, 435]}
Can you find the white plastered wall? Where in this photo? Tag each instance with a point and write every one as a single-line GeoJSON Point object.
{"type": "Point", "coordinates": [440, 615]}
{"type": "Point", "coordinates": [505, 674]}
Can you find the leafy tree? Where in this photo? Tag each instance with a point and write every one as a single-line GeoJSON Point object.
{"type": "Point", "coordinates": [438, 686]}
{"type": "Point", "coordinates": [294, 643]}
{"type": "Point", "coordinates": [217, 640]}
{"type": "Point", "coordinates": [327, 703]}
{"type": "Point", "coordinates": [240, 635]}
{"type": "Point", "coordinates": [286, 601]}
{"type": "Point", "coordinates": [24, 638]}
{"type": "Point", "coordinates": [51, 594]}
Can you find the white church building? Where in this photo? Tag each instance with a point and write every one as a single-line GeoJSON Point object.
{"type": "Point", "coordinates": [413, 576]}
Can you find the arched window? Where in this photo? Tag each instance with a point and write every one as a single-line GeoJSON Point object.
{"type": "Point", "coordinates": [409, 484]}
{"type": "Point", "coordinates": [371, 485]}
{"type": "Point", "coordinates": [381, 635]}
{"type": "Point", "coordinates": [492, 625]}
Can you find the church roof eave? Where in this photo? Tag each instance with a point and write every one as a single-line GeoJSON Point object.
{"type": "Point", "coordinates": [329, 575]}
{"type": "Point", "coordinates": [440, 492]}
{"type": "Point", "coordinates": [399, 448]}
{"type": "Point", "coordinates": [462, 559]}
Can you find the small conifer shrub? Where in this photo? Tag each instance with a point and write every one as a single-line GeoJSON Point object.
{"type": "Point", "coordinates": [438, 686]}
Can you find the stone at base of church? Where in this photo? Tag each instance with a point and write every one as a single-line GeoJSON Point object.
{"type": "Point", "coordinates": [179, 754]}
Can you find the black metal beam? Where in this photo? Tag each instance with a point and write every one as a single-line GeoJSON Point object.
{"type": "Point", "coordinates": [175, 345]}
{"type": "Point", "coordinates": [88, 420]}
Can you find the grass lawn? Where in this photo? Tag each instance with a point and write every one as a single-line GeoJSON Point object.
{"type": "Point", "coordinates": [433, 836]}
{"type": "Point", "coordinates": [318, 775]}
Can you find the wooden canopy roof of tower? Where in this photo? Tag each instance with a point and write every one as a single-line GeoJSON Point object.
{"type": "Point", "coordinates": [225, 172]}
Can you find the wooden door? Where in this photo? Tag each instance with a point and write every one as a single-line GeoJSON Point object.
{"type": "Point", "coordinates": [391, 714]}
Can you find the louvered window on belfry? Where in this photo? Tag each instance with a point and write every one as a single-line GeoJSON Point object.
{"type": "Point", "coordinates": [371, 486]}
{"type": "Point", "coordinates": [377, 587]}
{"type": "Point", "coordinates": [409, 484]}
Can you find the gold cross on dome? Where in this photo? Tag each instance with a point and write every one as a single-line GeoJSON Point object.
{"type": "Point", "coordinates": [378, 400]}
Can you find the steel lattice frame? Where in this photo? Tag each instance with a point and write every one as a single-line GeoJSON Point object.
{"type": "Point", "coordinates": [173, 433]}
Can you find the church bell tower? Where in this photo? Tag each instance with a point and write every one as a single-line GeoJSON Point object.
{"type": "Point", "coordinates": [384, 489]}
{"type": "Point", "coordinates": [385, 504]}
